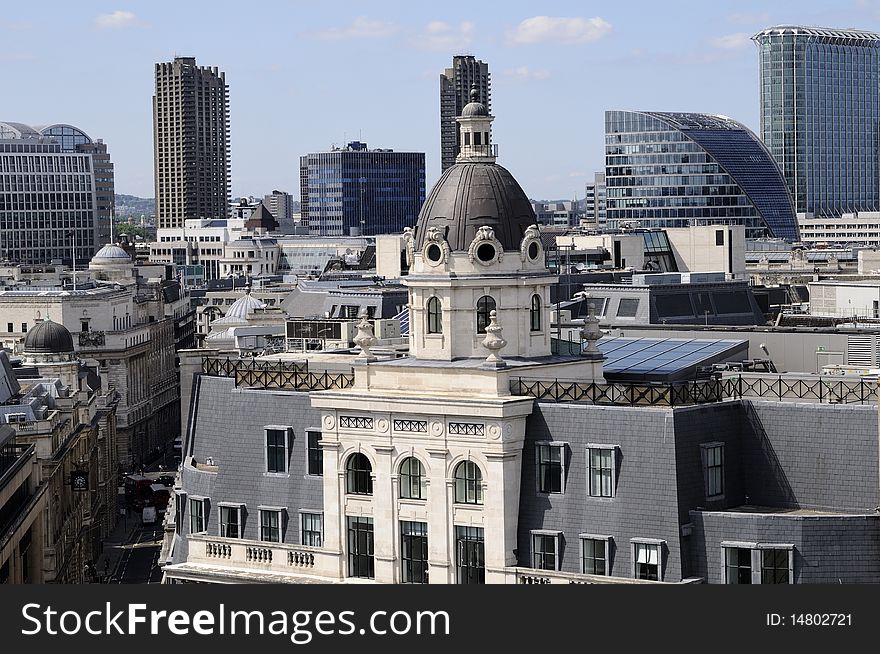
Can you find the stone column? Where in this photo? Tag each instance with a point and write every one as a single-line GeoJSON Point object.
{"type": "Point", "coordinates": [384, 526]}
{"type": "Point", "coordinates": [440, 538]}
{"type": "Point", "coordinates": [334, 496]}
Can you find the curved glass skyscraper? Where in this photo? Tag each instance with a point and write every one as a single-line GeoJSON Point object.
{"type": "Point", "coordinates": [820, 115]}
{"type": "Point", "coordinates": [682, 169]}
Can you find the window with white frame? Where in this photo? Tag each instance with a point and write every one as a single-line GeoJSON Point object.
{"type": "Point", "coordinates": [198, 515]}
{"type": "Point", "coordinates": [758, 563]}
{"type": "Point", "coordinates": [312, 529]}
{"type": "Point", "coordinates": [601, 460]}
{"type": "Point", "coordinates": [647, 559]}
{"type": "Point", "coordinates": [713, 469]}
{"type": "Point", "coordinates": [270, 523]}
{"type": "Point", "coordinates": [551, 467]}
{"type": "Point", "coordinates": [277, 448]}
{"type": "Point", "coordinates": [595, 554]}
{"type": "Point", "coordinates": [545, 550]}
{"type": "Point", "coordinates": [230, 520]}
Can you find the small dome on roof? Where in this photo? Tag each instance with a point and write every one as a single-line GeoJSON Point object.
{"type": "Point", "coordinates": [112, 252]}
{"type": "Point", "coordinates": [243, 306]}
{"type": "Point", "coordinates": [474, 107]}
{"type": "Point", "coordinates": [48, 338]}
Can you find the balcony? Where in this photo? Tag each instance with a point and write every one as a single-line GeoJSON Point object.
{"type": "Point", "coordinates": [534, 576]}
{"type": "Point", "coordinates": [257, 560]}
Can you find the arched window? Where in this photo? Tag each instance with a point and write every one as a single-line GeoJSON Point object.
{"type": "Point", "coordinates": [435, 326]}
{"type": "Point", "coordinates": [468, 483]}
{"type": "Point", "coordinates": [412, 479]}
{"type": "Point", "coordinates": [358, 475]}
{"type": "Point", "coordinates": [485, 305]}
{"type": "Point", "coordinates": [535, 313]}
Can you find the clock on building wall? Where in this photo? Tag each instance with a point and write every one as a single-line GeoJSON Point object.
{"type": "Point", "coordinates": [79, 480]}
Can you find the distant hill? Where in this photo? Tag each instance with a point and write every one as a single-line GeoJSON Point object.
{"type": "Point", "coordinates": [131, 205]}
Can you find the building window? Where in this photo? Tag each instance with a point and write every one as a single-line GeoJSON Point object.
{"type": "Point", "coordinates": [737, 565]}
{"type": "Point", "coordinates": [312, 529]}
{"type": "Point", "coordinates": [359, 475]}
{"type": "Point", "coordinates": [435, 325]}
{"type": "Point", "coordinates": [551, 474]}
{"type": "Point", "coordinates": [276, 449]}
{"type": "Point", "coordinates": [468, 483]}
{"type": "Point", "coordinates": [470, 563]}
{"type": "Point", "coordinates": [360, 547]}
{"type": "Point", "coordinates": [412, 479]}
{"type": "Point", "coordinates": [9, 327]}
{"type": "Point", "coordinates": [594, 555]}
{"type": "Point", "coordinates": [646, 560]}
{"type": "Point", "coordinates": [24, 327]}
{"type": "Point", "coordinates": [270, 525]}
{"type": "Point", "coordinates": [545, 551]}
{"type": "Point", "coordinates": [414, 552]}
{"type": "Point", "coordinates": [198, 516]}
{"type": "Point", "coordinates": [535, 314]}
{"type": "Point", "coordinates": [230, 521]}
{"type": "Point", "coordinates": [713, 469]}
{"type": "Point", "coordinates": [719, 237]}
{"type": "Point", "coordinates": [628, 308]}
{"type": "Point", "coordinates": [776, 566]}
{"type": "Point", "coordinates": [602, 472]}
{"type": "Point", "coordinates": [315, 455]}
{"type": "Point", "coordinates": [485, 305]}
{"type": "Point", "coordinates": [753, 563]}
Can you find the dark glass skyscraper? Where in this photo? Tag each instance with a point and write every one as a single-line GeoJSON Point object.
{"type": "Point", "coordinates": [355, 188]}
{"type": "Point", "coordinates": [820, 115]}
{"type": "Point", "coordinates": [682, 169]}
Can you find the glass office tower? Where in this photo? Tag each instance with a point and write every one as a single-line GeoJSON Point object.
{"type": "Point", "coordinates": [683, 169]}
{"type": "Point", "coordinates": [358, 191]}
{"type": "Point", "coordinates": [820, 115]}
{"type": "Point", "coordinates": [47, 198]}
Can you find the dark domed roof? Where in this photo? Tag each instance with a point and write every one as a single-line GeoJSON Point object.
{"type": "Point", "coordinates": [48, 338]}
{"type": "Point", "coordinates": [474, 109]}
{"type": "Point", "coordinates": [470, 195]}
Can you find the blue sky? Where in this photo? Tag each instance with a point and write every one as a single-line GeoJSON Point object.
{"type": "Point", "coordinates": [304, 75]}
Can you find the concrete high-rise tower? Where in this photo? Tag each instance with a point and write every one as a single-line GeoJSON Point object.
{"type": "Point", "coordinates": [820, 115]}
{"type": "Point", "coordinates": [455, 93]}
{"type": "Point", "coordinates": [191, 142]}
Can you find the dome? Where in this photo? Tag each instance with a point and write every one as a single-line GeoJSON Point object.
{"type": "Point", "coordinates": [242, 306]}
{"type": "Point", "coordinates": [470, 195]}
{"type": "Point", "coordinates": [111, 252]}
{"type": "Point", "coordinates": [48, 338]}
{"type": "Point", "coordinates": [472, 109]}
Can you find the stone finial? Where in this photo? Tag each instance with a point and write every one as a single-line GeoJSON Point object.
{"type": "Point", "coordinates": [365, 338]}
{"type": "Point", "coordinates": [409, 240]}
{"type": "Point", "coordinates": [590, 331]}
{"type": "Point", "coordinates": [493, 342]}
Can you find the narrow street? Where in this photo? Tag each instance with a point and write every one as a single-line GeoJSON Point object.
{"type": "Point", "coordinates": [139, 560]}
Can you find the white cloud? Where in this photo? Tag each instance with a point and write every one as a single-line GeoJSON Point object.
{"type": "Point", "coordinates": [556, 29]}
{"type": "Point", "coordinates": [733, 41]}
{"type": "Point", "coordinates": [526, 74]}
{"type": "Point", "coordinates": [118, 20]}
{"type": "Point", "coordinates": [360, 28]}
{"type": "Point", "coordinates": [438, 35]}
